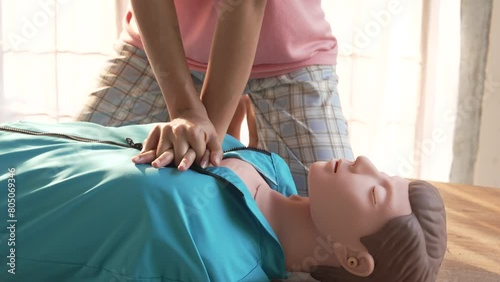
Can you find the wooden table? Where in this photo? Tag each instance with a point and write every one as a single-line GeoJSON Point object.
{"type": "Point", "coordinates": [473, 223]}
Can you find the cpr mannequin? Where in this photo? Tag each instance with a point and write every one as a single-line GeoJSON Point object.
{"type": "Point", "coordinates": [377, 227]}
{"type": "Point", "coordinates": [98, 215]}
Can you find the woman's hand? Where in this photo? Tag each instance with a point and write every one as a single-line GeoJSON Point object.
{"type": "Point", "coordinates": [190, 136]}
{"type": "Point", "coordinates": [185, 140]}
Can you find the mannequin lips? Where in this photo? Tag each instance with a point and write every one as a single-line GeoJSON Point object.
{"type": "Point", "coordinates": [336, 166]}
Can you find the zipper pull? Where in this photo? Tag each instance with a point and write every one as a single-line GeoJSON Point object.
{"type": "Point", "coordinates": [132, 144]}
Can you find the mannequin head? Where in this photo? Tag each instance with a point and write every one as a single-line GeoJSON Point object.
{"type": "Point", "coordinates": [384, 228]}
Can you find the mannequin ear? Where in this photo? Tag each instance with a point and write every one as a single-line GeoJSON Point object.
{"type": "Point", "coordinates": [357, 263]}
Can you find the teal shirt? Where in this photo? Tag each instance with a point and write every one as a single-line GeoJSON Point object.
{"type": "Point", "coordinates": [85, 212]}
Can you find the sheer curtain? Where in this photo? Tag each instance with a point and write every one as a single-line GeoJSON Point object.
{"type": "Point", "coordinates": [398, 69]}
{"type": "Point", "coordinates": [398, 75]}
{"type": "Point", "coordinates": [52, 53]}
{"type": "Point", "coordinates": [474, 88]}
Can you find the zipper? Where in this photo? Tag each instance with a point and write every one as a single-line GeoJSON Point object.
{"type": "Point", "coordinates": [249, 148]}
{"type": "Point", "coordinates": [129, 142]}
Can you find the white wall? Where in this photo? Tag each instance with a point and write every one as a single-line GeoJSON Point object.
{"type": "Point", "coordinates": [487, 169]}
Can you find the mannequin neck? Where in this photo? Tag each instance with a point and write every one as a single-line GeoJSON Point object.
{"type": "Point", "coordinates": [290, 218]}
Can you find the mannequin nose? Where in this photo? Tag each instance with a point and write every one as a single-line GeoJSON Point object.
{"type": "Point", "coordinates": [365, 164]}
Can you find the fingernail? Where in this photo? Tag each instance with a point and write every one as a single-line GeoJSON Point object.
{"type": "Point", "coordinates": [217, 160]}
{"type": "Point", "coordinates": [137, 159]}
{"type": "Point", "coordinates": [204, 164]}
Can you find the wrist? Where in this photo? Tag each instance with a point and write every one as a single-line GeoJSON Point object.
{"type": "Point", "coordinates": [187, 111]}
{"type": "Point", "coordinates": [182, 100]}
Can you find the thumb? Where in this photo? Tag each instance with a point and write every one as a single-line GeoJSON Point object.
{"type": "Point", "coordinates": [215, 151]}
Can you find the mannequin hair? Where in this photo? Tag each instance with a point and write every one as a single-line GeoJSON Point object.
{"type": "Point", "coordinates": [408, 248]}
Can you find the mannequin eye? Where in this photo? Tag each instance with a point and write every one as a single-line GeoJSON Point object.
{"type": "Point", "coordinates": [374, 197]}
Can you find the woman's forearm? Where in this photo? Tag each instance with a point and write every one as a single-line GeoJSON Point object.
{"type": "Point", "coordinates": [160, 34]}
{"type": "Point", "coordinates": [231, 58]}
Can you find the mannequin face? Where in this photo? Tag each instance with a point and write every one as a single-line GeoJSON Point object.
{"type": "Point", "coordinates": [350, 200]}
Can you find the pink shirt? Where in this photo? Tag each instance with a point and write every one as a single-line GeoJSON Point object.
{"type": "Point", "coordinates": [294, 34]}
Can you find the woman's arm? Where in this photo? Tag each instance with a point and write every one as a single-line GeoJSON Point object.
{"type": "Point", "coordinates": [231, 58]}
{"type": "Point", "coordinates": [160, 34]}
